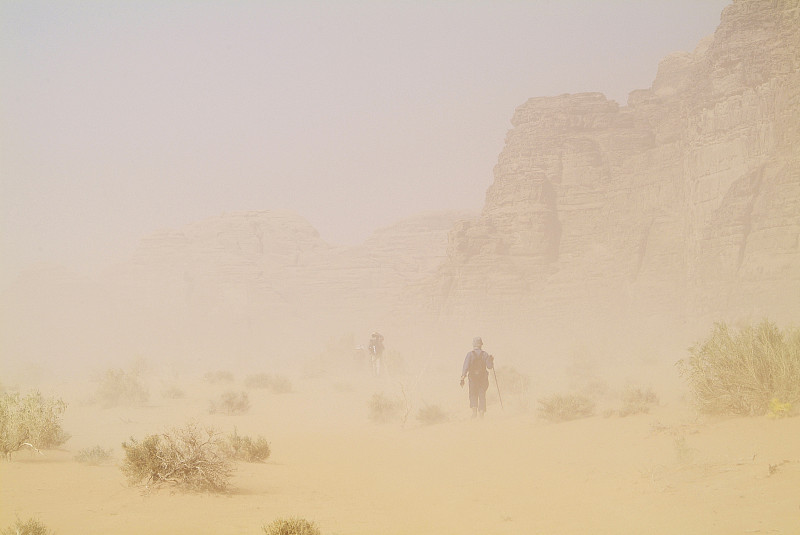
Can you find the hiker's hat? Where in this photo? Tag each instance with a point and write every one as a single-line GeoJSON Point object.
{"type": "Point", "coordinates": [477, 342]}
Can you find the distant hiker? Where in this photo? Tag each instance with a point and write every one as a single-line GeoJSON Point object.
{"type": "Point", "coordinates": [477, 364]}
{"type": "Point", "coordinates": [375, 352]}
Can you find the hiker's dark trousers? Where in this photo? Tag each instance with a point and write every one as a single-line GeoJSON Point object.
{"type": "Point", "coordinates": [478, 385]}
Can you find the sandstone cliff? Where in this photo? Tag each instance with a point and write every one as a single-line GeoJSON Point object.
{"type": "Point", "coordinates": [680, 208]}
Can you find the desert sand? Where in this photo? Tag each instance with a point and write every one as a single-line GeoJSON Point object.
{"type": "Point", "coordinates": [668, 471]}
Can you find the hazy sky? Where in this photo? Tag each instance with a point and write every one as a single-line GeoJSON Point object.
{"type": "Point", "coordinates": [121, 118]}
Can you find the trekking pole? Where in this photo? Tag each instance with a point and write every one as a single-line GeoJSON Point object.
{"type": "Point", "coordinates": [498, 389]}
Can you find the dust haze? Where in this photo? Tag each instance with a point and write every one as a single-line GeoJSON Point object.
{"type": "Point", "coordinates": [208, 213]}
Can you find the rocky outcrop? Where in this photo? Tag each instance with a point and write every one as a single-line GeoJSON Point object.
{"type": "Point", "coordinates": [681, 207]}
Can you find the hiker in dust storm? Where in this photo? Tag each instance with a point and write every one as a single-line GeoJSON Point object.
{"type": "Point", "coordinates": [376, 352]}
{"type": "Point", "coordinates": [477, 364]}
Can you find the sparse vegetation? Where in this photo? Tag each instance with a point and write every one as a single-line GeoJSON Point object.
{"type": "Point", "coordinates": [32, 421]}
{"type": "Point", "coordinates": [637, 401]}
{"type": "Point", "coordinates": [742, 372]}
{"type": "Point", "coordinates": [172, 392]}
{"type": "Point", "coordinates": [277, 384]}
{"type": "Point", "coordinates": [119, 387]}
{"type": "Point", "coordinates": [291, 526]}
{"type": "Point", "coordinates": [383, 409]}
{"type": "Point", "coordinates": [244, 448]}
{"type": "Point", "coordinates": [94, 456]}
{"type": "Point", "coordinates": [231, 402]}
{"type": "Point", "coordinates": [563, 407]}
{"type": "Point", "coordinates": [31, 526]}
{"type": "Point", "coordinates": [188, 458]}
{"type": "Point", "coordinates": [219, 376]}
{"type": "Point", "coordinates": [431, 414]}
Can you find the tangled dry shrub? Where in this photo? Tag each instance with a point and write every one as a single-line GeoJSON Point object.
{"type": "Point", "coordinates": [244, 448]}
{"type": "Point", "coordinates": [188, 458]}
{"type": "Point", "coordinates": [219, 376]}
{"type": "Point", "coordinates": [277, 384]}
{"type": "Point", "coordinates": [383, 409]}
{"type": "Point", "coordinates": [117, 387]}
{"type": "Point", "coordinates": [563, 407]}
{"type": "Point", "coordinates": [431, 414]}
{"type": "Point", "coordinates": [291, 526]}
{"type": "Point", "coordinates": [94, 456]}
{"type": "Point", "coordinates": [33, 421]}
{"type": "Point", "coordinates": [742, 372]}
{"type": "Point", "coordinates": [31, 526]}
{"type": "Point", "coordinates": [637, 401]}
{"type": "Point", "coordinates": [231, 402]}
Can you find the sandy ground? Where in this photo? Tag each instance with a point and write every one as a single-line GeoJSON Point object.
{"type": "Point", "coordinates": [665, 472]}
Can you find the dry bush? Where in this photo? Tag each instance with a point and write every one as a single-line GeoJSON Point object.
{"type": "Point", "coordinates": [219, 376]}
{"type": "Point", "coordinates": [383, 409]}
{"type": "Point", "coordinates": [94, 456]}
{"type": "Point", "coordinates": [33, 421]}
{"type": "Point", "coordinates": [185, 457]}
{"type": "Point", "coordinates": [277, 384]}
{"type": "Point", "coordinates": [742, 372]}
{"type": "Point", "coordinates": [637, 401]}
{"type": "Point", "coordinates": [291, 526]}
{"type": "Point", "coordinates": [173, 392]}
{"type": "Point", "coordinates": [29, 527]}
{"type": "Point", "coordinates": [244, 448]}
{"type": "Point", "coordinates": [231, 402]}
{"type": "Point", "coordinates": [432, 414]}
{"type": "Point", "coordinates": [563, 407]}
{"type": "Point", "coordinates": [119, 387]}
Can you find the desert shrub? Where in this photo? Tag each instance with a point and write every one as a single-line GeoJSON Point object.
{"type": "Point", "coordinates": [30, 527]}
{"type": "Point", "coordinates": [513, 381]}
{"type": "Point", "coordinates": [431, 414]}
{"type": "Point", "coordinates": [119, 387]}
{"type": "Point", "coordinates": [291, 526]}
{"type": "Point", "coordinates": [94, 456]}
{"type": "Point", "coordinates": [562, 407]}
{"type": "Point", "coordinates": [185, 457]}
{"type": "Point", "coordinates": [383, 409]}
{"type": "Point", "coordinates": [231, 402]}
{"type": "Point", "coordinates": [244, 448]}
{"type": "Point", "coordinates": [33, 421]}
{"type": "Point", "coordinates": [172, 392]}
{"type": "Point", "coordinates": [637, 401]}
{"type": "Point", "coordinates": [276, 384]}
{"type": "Point", "coordinates": [742, 372]}
{"type": "Point", "coordinates": [219, 376]}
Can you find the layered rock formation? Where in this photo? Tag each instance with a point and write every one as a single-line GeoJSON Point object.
{"type": "Point", "coordinates": [681, 207]}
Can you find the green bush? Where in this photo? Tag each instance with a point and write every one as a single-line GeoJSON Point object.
{"type": "Point", "coordinates": [563, 407]}
{"type": "Point", "coordinates": [94, 456]}
{"type": "Point", "coordinates": [244, 448]}
{"type": "Point", "coordinates": [186, 457]}
{"type": "Point", "coordinates": [29, 527]}
{"type": "Point", "coordinates": [291, 526]}
{"type": "Point", "coordinates": [742, 372]}
{"type": "Point", "coordinates": [33, 421]}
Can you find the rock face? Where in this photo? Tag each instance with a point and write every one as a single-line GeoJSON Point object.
{"type": "Point", "coordinates": [681, 207]}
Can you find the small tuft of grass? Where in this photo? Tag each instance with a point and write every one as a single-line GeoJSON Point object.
{"type": "Point", "coordinates": [432, 414]}
{"type": "Point", "coordinates": [564, 407]}
{"type": "Point", "coordinates": [637, 401]}
{"type": "Point", "coordinates": [277, 384]}
{"type": "Point", "coordinates": [383, 409]}
{"type": "Point", "coordinates": [31, 526]}
{"type": "Point", "coordinates": [94, 456]}
{"type": "Point", "coordinates": [291, 526]}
